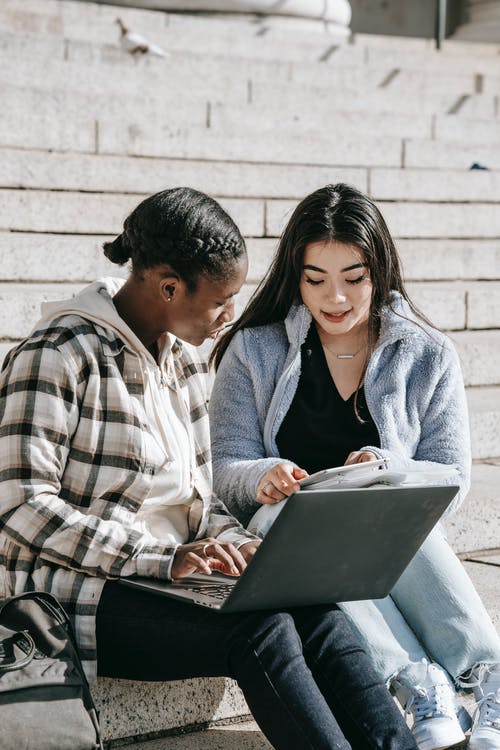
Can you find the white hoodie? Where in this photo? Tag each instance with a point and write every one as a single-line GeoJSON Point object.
{"type": "Point", "coordinates": [165, 511]}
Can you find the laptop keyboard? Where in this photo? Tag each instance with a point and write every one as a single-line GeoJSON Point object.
{"type": "Point", "coordinates": [219, 591]}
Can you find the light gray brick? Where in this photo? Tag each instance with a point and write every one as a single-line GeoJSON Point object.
{"type": "Point", "coordinates": [251, 117]}
{"type": "Point", "coordinates": [434, 185]}
{"type": "Point", "coordinates": [371, 100]}
{"type": "Point", "coordinates": [441, 155]}
{"type": "Point", "coordinates": [483, 305]}
{"type": "Point", "coordinates": [152, 79]}
{"type": "Point", "coordinates": [479, 353]}
{"type": "Point", "coordinates": [42, 24]}
{"type": "Point", "coordinates": [37, 48]}
{"type": "Point", "coordinates": [22, 102]}
{"type": "Point", "coordinates": [431, 60]}
{"type": "Point", "coordinates": [415, 220]}
{"type": "Point", "coordinates": [52, 211]}
{"type": "Point", "coordinates": [475, 526]}
{"type": "Point", "coordinates": [47, 131]}
{"type": "Point", "coordinates": [442, 303]}
{"type": "Point", "coordinates": [248, 215]}
{"type": "Point", "coordinates": [150, 139]}
{"type": "Point", "coordinates": [20, 305]}
{"type": "Point", "coordinates": [466, 130]}
{"type": "Point", "coordinates": [181, 64]}
{"type": "Point", "coordinates": [87, 213]}
{"type": "Point", "coordinates": [277, 216]}
{"type": "Point", "coordinates": [260, 254]}
{"type": "Point", "coordinates": [423, 83]}
{"type": "Point", "coordinates": [491, 83]}
{"type": "Point", "coordinates": [434, 260]}
{"type": "Point", "coordinates": [52, 257]}
{"type": "Point", "coordinates": [484, 415]}
{"type": "Point", "coordinates": [37, 169]}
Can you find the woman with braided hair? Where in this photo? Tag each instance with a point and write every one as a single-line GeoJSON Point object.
{"type": "Point", "coordinates": [106, 474]}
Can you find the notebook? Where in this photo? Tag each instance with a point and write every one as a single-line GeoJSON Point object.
{"type": "Point", "coordinates": [326, 546]}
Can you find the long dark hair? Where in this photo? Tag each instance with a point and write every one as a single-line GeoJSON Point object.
{"type": "Point", "coordinates": [335, 212]}
{"type": "Point", "coordinates": [183, 228]}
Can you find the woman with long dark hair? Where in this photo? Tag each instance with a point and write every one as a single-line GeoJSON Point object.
{"type": "Point", "coordinates": [106, 474]}
{"type": "Point", "coordinates": [332, 364]}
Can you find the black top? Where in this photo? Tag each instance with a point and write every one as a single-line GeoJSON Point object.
{"type": "Point", "coordinates": [321, 429]}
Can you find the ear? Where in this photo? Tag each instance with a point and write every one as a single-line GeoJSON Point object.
{"type": "Point", "coordinates": [169, 285]}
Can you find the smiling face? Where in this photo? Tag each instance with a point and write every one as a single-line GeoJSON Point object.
{"type": "Point", "coordinates": [336, 287]}
{"type": "Point", "coordinates": [203, 313]}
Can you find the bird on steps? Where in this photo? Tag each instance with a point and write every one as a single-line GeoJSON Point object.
{"type": "Point", "coordinates": [136, 44]}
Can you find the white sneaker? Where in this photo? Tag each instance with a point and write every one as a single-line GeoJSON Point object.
{"type": "Point", "coordinates": [433, 706]}
{"type": "Point", "coordinates": [486, 732]}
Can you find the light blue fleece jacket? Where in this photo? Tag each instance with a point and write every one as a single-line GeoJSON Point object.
{"type": "Point", "coordinates": [413, 388]}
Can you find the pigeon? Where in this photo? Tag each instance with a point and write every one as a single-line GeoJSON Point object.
{"type": "Point", "coordinates": [136, 44]}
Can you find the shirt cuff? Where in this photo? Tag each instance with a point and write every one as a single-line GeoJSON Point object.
{"type": "Point", "coordinates": [152, 562]}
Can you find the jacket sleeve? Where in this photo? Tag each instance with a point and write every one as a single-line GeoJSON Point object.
{"type": "Point", "coordinates": [224, 527]}
{"type": "Point", "coordinates": [444, 430]}
{"type": "Point", "coordinates": [40, 400]}
{"type": "Point", "coordinates": [238, 453]}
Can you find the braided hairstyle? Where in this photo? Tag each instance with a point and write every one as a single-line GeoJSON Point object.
{"type": "Point", "coordinates": [183, 228]}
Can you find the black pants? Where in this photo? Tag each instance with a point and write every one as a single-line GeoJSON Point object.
{"type": "Point", "coordinates": [305, 678]}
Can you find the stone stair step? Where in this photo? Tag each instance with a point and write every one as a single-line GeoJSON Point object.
{"type": "Point", "coordinates": [486, 579]}
{"type": "Point", "coordinates": [476, 59]}
{"type": "Point", "coordinates": [475, 525]}
{"type": "Point", "coordinates": [291, 97]}
{"type": "Point", "coordinates": [243, 735]}
{"type": "Point", "coordinates": [253, 118]}
{"type": "Point", "coordinates": [484, 414]}
{"type": "Point", "coordinates": [153, 140]}
{"type": "Point", "coordinates": [441, 185]}
{"type": "Point", "coordinates": [442, 155]}
{"type": "Point", "coordinates": [466, 129]}
{"type": "Point", "coordinates": [150, 78]}
{"type": "Point", "coordinates": [430, 259]}
{"type": "Point", "coordinates": [414, 220]}
{"type": "Point", "coordinates": [89, 213]}
{"type": "Point", "coordinates": [43, 257]}
{"type": "Point", "coordinates": [62, 211]}
{"type": "Point", "coordinates": [479, 353]}
{"type": "Point", "coordinates": [101, 173]}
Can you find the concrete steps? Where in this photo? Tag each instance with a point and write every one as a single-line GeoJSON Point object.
{"type": "Point", "coordinates": [257, 117]}
{"type": "Point", "coordinates": [70, 211]}
{"type": "Point", "coordinates": [244, 735]}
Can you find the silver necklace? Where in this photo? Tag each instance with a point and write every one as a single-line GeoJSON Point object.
{"type": "Point", "coordinates": [343, 356]}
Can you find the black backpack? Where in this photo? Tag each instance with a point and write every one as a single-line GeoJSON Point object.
{"type": "Point", "coordinates": [45, 701]}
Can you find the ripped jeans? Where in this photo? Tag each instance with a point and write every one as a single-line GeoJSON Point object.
{"type": "Point", "coordinates": [434, 613]}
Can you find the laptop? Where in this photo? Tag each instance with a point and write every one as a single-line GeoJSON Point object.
{"type": "Point", "coordinates": [325, 546]}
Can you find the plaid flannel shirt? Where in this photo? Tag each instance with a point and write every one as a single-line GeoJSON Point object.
{"type": "Point", "coordinates": [74, 471]}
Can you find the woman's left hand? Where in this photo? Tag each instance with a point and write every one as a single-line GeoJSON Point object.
{"type": "Point", "coordinates": [360, 457]}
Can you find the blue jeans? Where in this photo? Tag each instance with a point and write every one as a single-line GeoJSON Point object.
{"type": "Point", "coordinates": [434, 613]}
{"type": "Point", "coordinates": [304, 675]}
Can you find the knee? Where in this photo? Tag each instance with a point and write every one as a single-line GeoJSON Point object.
{"type": "Point", "coordinates": [268, 631]}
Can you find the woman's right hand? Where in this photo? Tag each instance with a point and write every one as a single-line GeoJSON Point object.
{"type": "Point", "coordinates": [206, 555]}
{"type": "Point", "coordinates": [279, 482]}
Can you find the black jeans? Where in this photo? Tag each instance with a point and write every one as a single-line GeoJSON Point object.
{"type": "Point", "coordinates": [305, 678]}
